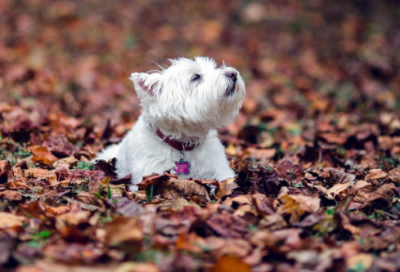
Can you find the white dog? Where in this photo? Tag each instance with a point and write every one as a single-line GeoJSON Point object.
{"type": "Point", "coordinates": [182, 107]}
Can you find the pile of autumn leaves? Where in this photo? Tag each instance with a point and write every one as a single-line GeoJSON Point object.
{"type": "Point", "coordinates": [59, 210]}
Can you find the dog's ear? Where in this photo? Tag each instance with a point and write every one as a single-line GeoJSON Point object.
{"type": "Point", "coordinates": [144, 83]}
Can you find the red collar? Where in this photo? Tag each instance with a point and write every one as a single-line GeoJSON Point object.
{"type": "Point", "coordinates": [174, 143]}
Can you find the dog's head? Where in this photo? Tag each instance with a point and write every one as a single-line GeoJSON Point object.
{"type": "Point", "coordinates": [190, 97]}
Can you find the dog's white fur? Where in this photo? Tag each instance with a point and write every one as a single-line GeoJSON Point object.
{"type": "Point", "coordinates": [184, 109]}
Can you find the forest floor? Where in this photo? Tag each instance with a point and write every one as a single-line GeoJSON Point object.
{"type": "Point", "coordinates": [315, 147]}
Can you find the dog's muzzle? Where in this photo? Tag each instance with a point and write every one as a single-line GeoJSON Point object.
{"type": "Point", "coordinates": [232, 75]}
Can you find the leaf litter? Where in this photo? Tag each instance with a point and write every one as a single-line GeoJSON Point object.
{"type": "Point", "coordinates": [316, 146]}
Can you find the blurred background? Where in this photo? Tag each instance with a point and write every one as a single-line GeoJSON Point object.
{"type": "Point", "coordinates": [300, 60]}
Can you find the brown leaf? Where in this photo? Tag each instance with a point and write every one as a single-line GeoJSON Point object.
{"type": "Point", "coordinates": [337, 191]}
{"type": "Point", "coordinates": [169, 227]}
{"type": "Point", "coordinates": [309, 258]}
{"type": "Point", "coordinates": [171, 188]}
{"type": "Point", "coordinates": [59, 146]}
{"type": "Point", "coordinates": [37, 172]}
{"type": "Point", "coordinates": [11, 195]}
{"type": "Point", "coordinates": [35, 209]}
{"type": "Point", "coordinates": [191, 242]}
{"type": "Point", "coordinates": [8, 220]}
{"type": "Point", "coordinates": [56, 210]}
{"type": "Point", "coordinates": [381, 198]}
{"type": "Point", "coordinates": [264, 239]}
{"type": "Point", "coordinates": [289, 171]}
{"type": "Point", "coordinates": [363, 259]}
{"type": "Point", "coordinates": [375, 174]}
{"type": "Point", "coordinates": [238, 200]}
{"type": "Point", "coordinates": [273, 222]}
{"type": "Point", "coordinates": [65, 163]}
{"type": "Point", "coordinates": [123, 230]}
{"type": "Point", "coordinates": [137, 267]}
{"type": "Point", "coordinates": [73, 218]}
{"type": "Point", "coordinates": [334, 176]}
{"type": "Point", "coordinates": [230, 264]}
{"type": "Point", "coordinates": [6, 247]}
{"type": "Point", "coordinates": [74, 253]}
{"type": "Point", "coordinates": [176, 204]}
{"type": "Point", "coordinates": [394, 175]}
{"type": "Point", "coordinates": [363, 190]}
{"type": "Point", "coordinates": [297, 205]}
{"type": "Point", "coordinates": [126, 207]}
{"type": "Point", "coordinates": [42, 155]}
{"type": "Point", "coordinates": [259, 154]}
{"type": "Point", "coordinates": [6, 172]}
{"type": "Point", "coordinates": [227, 225]}
{"type": "Point", "coordinates": [234, 247]}
{"type": "Point", "coordinates": [108, 168]}
{"type": "Point", "coordinates": [226, 188]}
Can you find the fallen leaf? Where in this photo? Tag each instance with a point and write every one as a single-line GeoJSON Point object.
{"type": "Point", "coordinates": [123, 230]}
{"type": "Point", "coordinates": [264, 239]}
{"type": "Point", "coordinates": [297, 205]}
{"type": "Point", "coordinates": [6, 246]}
{"type": "Point", "coordinates": [65, 163]}
{"type": "Point", "coordinates": [11, 195]}
{"type": "Point", "coordinates": [137, 267]}
{"type": "Point", "coordinates": [176, 204]}
{"type": "Point", "coordinates": [259, 154]}
{"type": "Point", "coordinates": [227, 225]}
{"type": "Point", "coordinates": [126, 207]}
{"type": "Point", "coordinates": [37, 172]}
{"type": "Point", "coordinates": [226, 188]}
{"type": "Point", "coordinates": [8, 220]}
{"type": "Point", "coordinates": [360, 261]}
{"type": "Point", "coordinates": [338, 190]}
{"type": "Point", "coordinates": [375, 174]}
{"type": "Point", "coordinates": [172, 188]}
{"type": "Point", "coordinates": [233, 247]}
{"type": "Point", "coordinates": [394, 175]}
{"type": "Point", "coordinates": [381, 198]}
{"type": "Point", "coordinates": [335, 176]}
{"type": "Point", "coordinates": [230, 264]}
{"type": "Point", "coordinates": [73, 218]}
{"type": "Point", "coordinates": [363, 190]}
{"type": "Point", "coordinates": [74, 253]}
{"type": "Point", "coordinates": [42, 155]}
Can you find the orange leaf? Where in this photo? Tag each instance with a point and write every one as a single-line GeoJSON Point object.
{"type": "Point", "coordinates": [230, 264]}
{"type": "Point", "coordinates": [42, 155]}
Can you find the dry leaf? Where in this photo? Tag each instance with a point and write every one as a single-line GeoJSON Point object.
{"type": "Point", "coordinates": [394, 175]}
{"type": "Point", "coordinates": [123, 230]}
{"type": "Point", "coordinates": [37, 172]}
{"type": "Point", "coordinates": [172, 188]}
{"type": "Point", "coordinates": [363, 190]}
{"type": "Point", "coordinates": [226, 188]}
{"type": "Point", "coordinates": [297, 205]}
{"type": "Point", "coordinates": [42, 155]}
{"type": "Point", "coordinates": [137, 267]}
{"type": "Point", "coordinates": [11, 195]}
{"type": "Point", "coordinates": [376, 174]}
{"type": "Point", "coordinates": [230, 264]}
{"type": "Point", "coordinates": [8, 220]}
{"type": "Point", "coordinates": [363, 260]}
{"type": "Point", "coordinates": [176, 204]}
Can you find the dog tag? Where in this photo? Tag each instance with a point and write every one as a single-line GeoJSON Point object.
{"type": "Point", "coordinates": [182, 167]}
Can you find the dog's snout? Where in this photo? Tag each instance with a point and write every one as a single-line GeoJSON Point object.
{"type": "Point", "coordinates": [232, 75]}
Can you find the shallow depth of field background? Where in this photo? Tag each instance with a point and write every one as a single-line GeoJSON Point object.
{"type": "Point", "coordinates": [305, 57]}
{"type": "Point", "coordinates": [316, 146]}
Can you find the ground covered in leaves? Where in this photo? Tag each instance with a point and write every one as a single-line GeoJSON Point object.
{"type": "Point", "coordinates": [316, 146]}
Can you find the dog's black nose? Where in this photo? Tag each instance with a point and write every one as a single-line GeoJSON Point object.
{"type": "Point", "coordinates": [232, 75]}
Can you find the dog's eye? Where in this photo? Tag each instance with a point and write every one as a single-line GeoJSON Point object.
{"type": "Point", "coordinates": [196, 77]}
